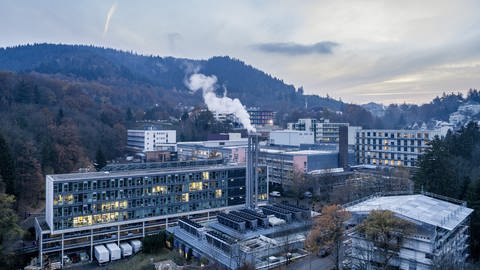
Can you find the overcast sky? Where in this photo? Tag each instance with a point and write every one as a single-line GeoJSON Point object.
{"type": "Point", "coordinates": [360, 51]}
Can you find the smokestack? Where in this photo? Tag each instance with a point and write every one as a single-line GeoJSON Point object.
{"type": "Point", "coordinates": [251, 184]}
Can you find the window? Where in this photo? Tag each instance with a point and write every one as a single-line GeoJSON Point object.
{"type": "Point", "coordinates": [185, 197]}
{"type": "Point", "coordinates": [218, 193]}
{"type": "Point", "coordinates": [194, 186]}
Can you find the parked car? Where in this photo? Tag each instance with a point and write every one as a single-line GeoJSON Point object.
{"type": "Point", "coordinates": [324, 252]}
{"type": "Point", "coordinates": [275, 194]}
{"type": "Point", "coordinates": [308, 194]}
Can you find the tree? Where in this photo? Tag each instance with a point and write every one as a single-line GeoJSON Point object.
{"type": "Point", "coordinates": [100, 160]}
{"type": "Point", "coordinates": [328, 231]}
{"type": "Point", "coordinates": [8, 228]}
{"type": "Point", "coordinates": [7, 168]}
{"type": "Point", "coordinates": [386, 233]}
{"type": "Point", "coordinates": [154, 243]}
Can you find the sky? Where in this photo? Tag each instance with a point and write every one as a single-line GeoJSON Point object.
{"type": "Point", "coordinates": [359, 51]}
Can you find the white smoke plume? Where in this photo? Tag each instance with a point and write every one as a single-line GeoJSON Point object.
{"type": "Point", "coordinates": [109, 17]}
{"type": "Point", "coordinates": [219, 104]}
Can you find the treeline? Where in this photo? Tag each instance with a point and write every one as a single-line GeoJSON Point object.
{"type": "Point", "coordinates": [451, 167]}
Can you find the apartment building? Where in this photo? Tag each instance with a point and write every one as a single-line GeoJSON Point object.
{"type": "Point", "coordinates": [393, 147]}
{"type": "Point", "coordinates": [441, 231]}
{"type": "Point", "coordinates": [151, 140]}
{"type": "Point", "coordinates": [87, 209]}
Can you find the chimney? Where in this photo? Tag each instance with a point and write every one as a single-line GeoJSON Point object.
{"type": "Point", "coordinates": [251, 185]}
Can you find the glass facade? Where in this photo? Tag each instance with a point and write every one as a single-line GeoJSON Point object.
{"type": "Point", "coordinates": [123, 196]}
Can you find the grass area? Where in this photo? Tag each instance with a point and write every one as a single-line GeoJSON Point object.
{"type": "Point", "coordinates": [141, 261]}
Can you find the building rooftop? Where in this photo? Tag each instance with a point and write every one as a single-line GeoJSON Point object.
{"type": "Point", "coordinates": [418, 207]}
{"type": "Point", "coordinates": [310, 152]}
{"type": "Point", "coordinates": [134, 173]}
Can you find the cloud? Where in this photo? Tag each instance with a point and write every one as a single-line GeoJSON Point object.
{"type": "Point", "coordinates": [109, 16]}
{"type": "Point", "coordinates": [291, 48]}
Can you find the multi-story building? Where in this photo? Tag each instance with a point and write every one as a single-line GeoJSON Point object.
{"type": "Point", "coordinates": [328, 132]}
{"type": "Point", "coordinates": [230, 150]}
{"type": "Point", "coordinates": [441, 231]}
{"type": "Point", "coordinates": [304, 124]}
{"type": "Point", "coordinates": [151, 140]}
{"type": "Point", "coordinates": [260, 117]}
{"type": "Point", "coordinates": [324, 130]}
{"type": "Point", "coordinates": [87, 209]}
{"type": "Point", "coordinates": [393, 147]}
{"type": "Point", "coordinates": [283, 164]}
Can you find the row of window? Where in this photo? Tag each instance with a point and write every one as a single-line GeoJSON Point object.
{"type": "Point", "coordinates": [425, 135]}
{"type": "Point", "coordinates": [137, 181]}
{"type": "Point", "coordinates": [60, 199]}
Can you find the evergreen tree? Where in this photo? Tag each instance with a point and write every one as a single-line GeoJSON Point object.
{"type": "Point", "coordinates": [100, 160]}
{"type": "Point", "coordinates": [7, 168]}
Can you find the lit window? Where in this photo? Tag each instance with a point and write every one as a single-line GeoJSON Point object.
{"type": "Point", "coordinates": [205, 175]}
{"type": "Point", "coordinates": [185, 197]}
{"type": "Point", "coordinates": [159, 189]}
{"type": "Point", "coordinates": [195, 186]}
{"type": "Point", "coordinates": [218, 193]}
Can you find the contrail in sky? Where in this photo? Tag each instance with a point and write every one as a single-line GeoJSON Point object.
{"type": "Point", "coordinates": [109, 16]}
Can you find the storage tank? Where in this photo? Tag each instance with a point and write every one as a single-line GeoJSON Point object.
{"type": "Point", "coordinates": [126, 249]}
{"type": "Point", "coordinates": [101, 254]}
{"type": "Point", "coordinates": [136, 245]}
{"type": "Point", "coordinates": [115, 252]}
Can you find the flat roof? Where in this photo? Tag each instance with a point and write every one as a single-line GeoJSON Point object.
{"type": "Point", "coordinates": [418, 207]}
{"type": "Point", "coordinates": [297, 152]}
{"type": "Point", "coordinates": [134, 173]}
{"type": "Point", "coordinates": [310, 152]}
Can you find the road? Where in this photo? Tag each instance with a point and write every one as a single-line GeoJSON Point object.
{"type": "Point", "coordinates": [312, 262]}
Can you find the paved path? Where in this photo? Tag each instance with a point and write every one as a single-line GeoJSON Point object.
{"type": "Point", "coordinates": [315, 262]}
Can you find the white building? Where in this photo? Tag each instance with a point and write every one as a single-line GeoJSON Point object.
{"type": "Point", "coordinates": [324, 130]}
{"type": "Point", "coordinates": [151, 140]}
{"type": "Point", "coordinates": [441, 231]}
{"type": "Point", "coordinates": [291, 137]}
{"type": "Point", "coordinates": [393, 147]}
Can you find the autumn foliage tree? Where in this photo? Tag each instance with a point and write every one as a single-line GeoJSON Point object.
{"type": "Point", "coordinates": [328, 231]}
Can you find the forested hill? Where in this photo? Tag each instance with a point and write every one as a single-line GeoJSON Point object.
{"type": "Point", "coordinates": [113, 67]}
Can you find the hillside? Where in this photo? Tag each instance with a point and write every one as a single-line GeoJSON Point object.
{"type": "Point", "coordinates": [118, 68]}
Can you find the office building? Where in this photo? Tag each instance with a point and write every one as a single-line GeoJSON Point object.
{"type": "Point", "coordinates": [324, 130]}
{"type": "Point", "coordinates": [229, 150]}
{"type": "Point", "coordinates": [441, 231]}
{"type": "Point", "coordinates": [151, 140]}
{"type": "Point", "coordinates": [393, 147]}
{"type": "Point", "coordinates": [87, 209]}
{"type": "Point", "coordinates": [259, 117]}
{"type": "Point", "coordinates": [283, 164]}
